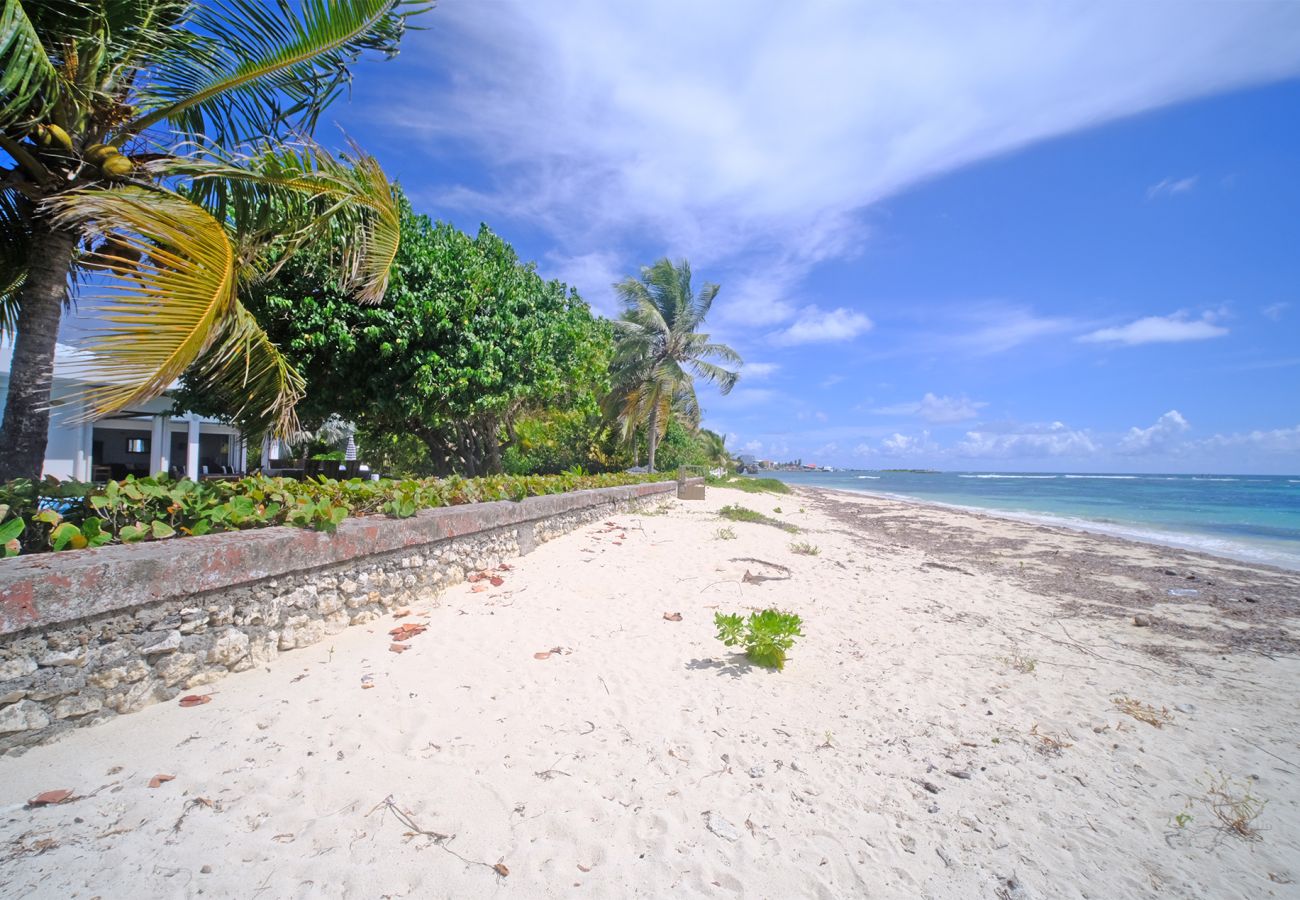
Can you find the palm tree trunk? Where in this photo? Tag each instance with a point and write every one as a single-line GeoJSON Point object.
{"type": "Point", "coordinates": [26, 427]}
{"type": "Point", "coordinates": [653, 436]}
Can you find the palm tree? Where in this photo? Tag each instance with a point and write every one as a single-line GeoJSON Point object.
{"type": "Point", "coordinates": [715, 449]}
{"type": "Point", "coordinates": [160, 152]}
{"type": "Point", "coordinates": [659, 353]}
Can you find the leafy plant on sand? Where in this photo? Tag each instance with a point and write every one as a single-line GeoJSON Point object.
{"type": "Point", "coordinates": [766, 636]}
{"type": "Point", "coordinates": [803, 548]}
{"type": "Point", "coordinates": [743, 514]}
{"type": "Point", "coordinates": [750, 485]}
{"type": "Point", "coordinates": [725, 534]}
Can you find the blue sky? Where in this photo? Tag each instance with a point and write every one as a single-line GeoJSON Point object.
{"type": "Point", "coordinates": [989, 236]}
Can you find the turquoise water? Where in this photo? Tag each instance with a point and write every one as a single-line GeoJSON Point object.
{"type": "Point", "coordinates": [1248, 517]}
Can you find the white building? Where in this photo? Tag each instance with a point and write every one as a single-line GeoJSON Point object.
{"type": "Point", "coordinates": [144, 440]}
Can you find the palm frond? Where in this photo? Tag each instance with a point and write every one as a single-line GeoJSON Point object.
{"type": "Point", "coordinates": [29, 79]}
{"type": "Point", "coordinates": [256, 67]}
{"type": "Point", "coordinates": [167, 292]}
{"type": "Point", "coordinates": [299, 193]}
{"type": "Point", "coordinates": [247, 376]}
{"type": "Point", "coordinates": [15, 235]}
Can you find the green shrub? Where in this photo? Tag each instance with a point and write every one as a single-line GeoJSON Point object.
{"type": "Point", "coordinates": [750, 484]}
{"type": "Point", "coordinates": [36, 517]}
{"type": "Point", "coordinates": [803, 548]}
{"type": "Point", "coordinates": [766, 635]}
{"type": "Point", "coordinates": [743, 514]}
{"type": "Point", "coordinates": [725, 534]}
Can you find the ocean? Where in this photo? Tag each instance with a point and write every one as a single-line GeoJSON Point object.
{"type": "Point", "coordinates": [1253, 518]}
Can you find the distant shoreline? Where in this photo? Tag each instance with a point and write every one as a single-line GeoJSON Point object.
{"type": "Point", "coordinates": [1072, 524]}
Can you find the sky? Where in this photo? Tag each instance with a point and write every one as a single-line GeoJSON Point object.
{"type": "Point", "coordinates": [988, 237]}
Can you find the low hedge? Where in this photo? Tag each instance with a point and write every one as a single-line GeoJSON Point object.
{"type": "Point", "coordinates": [37, 517]}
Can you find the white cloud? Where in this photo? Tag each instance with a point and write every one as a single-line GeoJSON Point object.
{"type": "Point", "coordinates": [754, 446]}
{"type": "Point", "coordinates": [1274, 311]}
{"type": "Point", "coordinates": [1158, 438]}
{"type": "Point", "coordinates": [1160, 329]}
{"type": "Point", "coordinates": [831, 381]}
{"type": "Point", "coordinates": [1277, 440]}
{"type": "Point", "coordinates": [936, 409]}
{"type": "Point", "coordinates": [717, 130]}
{"type": "Point", "coordinates": [815, 326]}
{"type": "Point", "coordinates": [1028, 441]}
{"type": "Point", "coordinates": [908, 445]}
{"type": "Point", "coordinates": [1171, 186]}
{"type": "Point", "coordinates": [752, 370]}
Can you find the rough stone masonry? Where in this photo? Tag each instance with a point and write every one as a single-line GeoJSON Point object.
{"type": "Point", "coordinates": [92, 634]}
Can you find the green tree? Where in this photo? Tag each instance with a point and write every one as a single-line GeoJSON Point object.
{"type": "Point", "coordinates": [465, 341]}
{"type": "Point", "coordinates": [660, 352]}
{"type": "Point", "coordinates": [159, 151]}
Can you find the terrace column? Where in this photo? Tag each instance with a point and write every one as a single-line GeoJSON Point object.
{"type": "Point", "coordinates": [192, 450]}
{"type": "Point", "coordinates": [85, 463]}
{"type": "Point", "coordinates": [157, 446]}
{"type": "Point", "coordinates": [241, 462]}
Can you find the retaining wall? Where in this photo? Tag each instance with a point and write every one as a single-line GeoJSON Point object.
{"type": "Point", "coordinates": [90, 634]}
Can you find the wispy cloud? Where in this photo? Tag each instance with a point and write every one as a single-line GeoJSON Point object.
{"type": "Point", "coordinates": [994, 329]}
{"type": "Point", "coordinates": [936, 409]}
{"type": "Point", "coordinates": [758, 137]}
{"type": "Point", "coordinates": [754, 370]}
{"type": "Point", "coordinates": [817, 326]}
{"type": "Point", "coordinates": [1170, 187]}
{"type": "Point", "coordinates": [1273, 312]}
{"type": "Point", "coordinates": [1160, 330]}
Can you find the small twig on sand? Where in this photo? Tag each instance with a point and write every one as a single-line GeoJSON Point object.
{"type": "Point", "coordinates": [438, 838]}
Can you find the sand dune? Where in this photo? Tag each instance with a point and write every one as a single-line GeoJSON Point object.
{"type": "Point", "coordinates": [947, 727]}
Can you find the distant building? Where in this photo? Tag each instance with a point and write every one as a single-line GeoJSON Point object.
{"type": "Point", "coordinates": [145, 440]}
{"type": "Point", "coordinates": [746, 463]}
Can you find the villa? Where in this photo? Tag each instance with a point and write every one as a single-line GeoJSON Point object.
{"type": "Point", "coordinates": [147, 439]}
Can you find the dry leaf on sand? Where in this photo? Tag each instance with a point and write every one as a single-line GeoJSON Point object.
{"type": "Point", "coordinates": [159, 780]}
{"type": "Point", "coordinates": [195, 699]}
{"type": "Point", "coordinates": [49, 798]}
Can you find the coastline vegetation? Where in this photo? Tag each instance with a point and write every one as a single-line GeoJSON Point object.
{"type": "Point", "coordinates": [749, 484]}
{"type": "Point", "coordinates": [36, 517]}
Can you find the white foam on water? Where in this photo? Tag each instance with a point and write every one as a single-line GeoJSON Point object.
{"type": "Point", "coordinates": [1008, 476]}
{"type": "Point", "coordinates": [1107, 477]}
{"type": "Point", "coordinates": [872, 477]}
{"type": "Point", "coordinates": [1194, 478]}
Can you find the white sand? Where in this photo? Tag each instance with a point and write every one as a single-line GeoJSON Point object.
{"type": "Point", "coordinates": [596, 772]}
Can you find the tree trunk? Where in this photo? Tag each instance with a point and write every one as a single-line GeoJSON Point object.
{"type": "Point", "coordinates": [26, 427]}
{"type": "Point", "coordinates": [652, 436]}
{"type": "Point", "coordinates": [490, 437]}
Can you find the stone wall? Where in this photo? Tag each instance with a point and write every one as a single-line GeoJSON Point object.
{"type": "Point", "coordinates": [92, 634]}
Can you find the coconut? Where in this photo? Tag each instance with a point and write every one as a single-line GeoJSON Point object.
{"type": "Point", "coordinates": [58, 136]}
{"type": "Point", "coordinates": [117, 166]}
{"type": "Point", "coordinates": [96, 154]}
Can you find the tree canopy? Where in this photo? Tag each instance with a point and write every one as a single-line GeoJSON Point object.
{"type": "Point", "coordinates": [466, 339]}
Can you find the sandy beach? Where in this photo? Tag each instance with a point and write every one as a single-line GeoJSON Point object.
{"type": "Point", "coordinates": [972, 712]}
